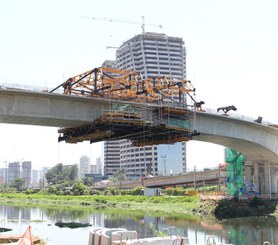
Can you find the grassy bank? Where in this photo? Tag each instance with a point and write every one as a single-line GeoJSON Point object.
{"type": "Point", "coordinates": [155, 205]}
{"type": "Point", "coordinates": [165, 204]}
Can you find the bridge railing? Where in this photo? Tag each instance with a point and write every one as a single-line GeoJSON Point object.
{"type": "Point", "coordinates": [28, 87]}
{"type": "Point", "coordinates": [237, 116]}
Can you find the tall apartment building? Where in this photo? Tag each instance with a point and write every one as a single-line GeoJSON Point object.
{"type": "Point", "coordinates": [84, 166]}
{"type": "Point", "coordinates": [13, 171]}
{"type": "Point", "coordinates": [153, 55]}
{"type": "Point", "coordinates": [112, 157]}
{"type": "Point", "coordinates": [27, 173]}
{"type": "Point", "coordinates": [3, 175]}
{"type": "Point", "coordinates": [99, 168]}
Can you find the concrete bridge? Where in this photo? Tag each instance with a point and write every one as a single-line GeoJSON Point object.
{"type": "Point", "coordinates": [258, 142]}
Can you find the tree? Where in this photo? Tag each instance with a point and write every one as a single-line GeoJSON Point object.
{"type": "Point", "coordinates": [79, 188]}
{"type": "Point", "coordinates": [120, 176]}
{"type": "Point", "coordinates": [71, 172]}
{"type": "Point", "coordinates": [87, 181]}
{"type": "Point", "coordinates": [18, 184]}
{"type": "Point", "coordinates": [59, 174]}
{"type": "Point", "coordinates": [55, 174]}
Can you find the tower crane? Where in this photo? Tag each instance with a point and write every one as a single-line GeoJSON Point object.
{"type": "Point", "coordinates": [143, 24]}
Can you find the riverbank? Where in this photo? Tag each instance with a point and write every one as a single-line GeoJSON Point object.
{"type": "Point", "coordinates": [172, 205]}
{"type": "Point", "coordinates": [187, 205]}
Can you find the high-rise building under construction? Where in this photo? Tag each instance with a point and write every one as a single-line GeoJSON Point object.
{"type": "Point", "coordinates": [153, 55]}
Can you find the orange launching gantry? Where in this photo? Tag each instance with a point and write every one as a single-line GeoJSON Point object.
{"type": "Point", "coordinates": [124, 85]}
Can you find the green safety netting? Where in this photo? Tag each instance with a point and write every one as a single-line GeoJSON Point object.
{"type": "Point", "coordinates": [235, 177]}
{"type": "Point", "coordinates": [124, 107]}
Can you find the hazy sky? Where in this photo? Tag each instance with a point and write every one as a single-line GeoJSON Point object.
{"type": "Point", "coordinates": [232, 50]}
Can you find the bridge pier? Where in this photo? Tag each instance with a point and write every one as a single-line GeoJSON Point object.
{"type": "Point", "coordinates": [265, 177]}
{"type": "Point", "coordinates": [274, 178]}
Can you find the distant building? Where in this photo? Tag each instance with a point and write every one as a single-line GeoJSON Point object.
{"type": "Point", "coordinates": [27, 173]}
{"type": "Point", "coordinates": [37, 178]}
{"type": "Point", "coordinates": [110, 63]}
{"type": "Point", "coordinates": [93, 168]}
{"type": "Point", "coordinates": [13, 171]}
{"type": "Point", "coordinates": [138, 161]}
{"type": "Point", "coordinates": [112, 157]}
{"type": "Point", "coordinates": [99, 166]}
{"type": "Point", "coordinates": [3, 175]}
{"type": "Point", "coordinates": [154, 55]}
{"type": "Point", "coordinates": [84, 166]}
{"type": "Point", "coordinates": [170, 158]}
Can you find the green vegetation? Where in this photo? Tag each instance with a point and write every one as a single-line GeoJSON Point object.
{"type": "Point", "coordinates": [182, 205]}
{"type": "Point", "coordinates": [66, 191]}
{"type": "Point", "coordinates": [247, 208]}
{"type": "Point", "coordinates": [60, 174]}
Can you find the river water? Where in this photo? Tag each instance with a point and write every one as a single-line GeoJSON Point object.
{"type": "Point", "coordinates": [42, 220]}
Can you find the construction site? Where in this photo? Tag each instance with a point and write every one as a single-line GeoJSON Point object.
{"type": "Point", "coordinates": [147, 111]}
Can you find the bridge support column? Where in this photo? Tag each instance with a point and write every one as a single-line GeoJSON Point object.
{"type": "Point", "coordinates": [268, 178]}
{"type": "Point", "coordinates": [274, 178]}
{"type": "Point", "coordinates": [249, 171]}
{"type": "Point", "coordinates": [259, 177]}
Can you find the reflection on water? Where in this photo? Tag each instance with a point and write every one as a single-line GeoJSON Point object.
{"type": "Point", "coordinates": [42, 220]}
{"type": "Point", "coordinates": [254, 230]}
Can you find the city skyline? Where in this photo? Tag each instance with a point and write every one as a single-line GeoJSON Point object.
{"type": "Point", "coordinates": [231, 58]}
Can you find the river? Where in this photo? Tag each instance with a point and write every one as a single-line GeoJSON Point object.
{"type": "Point", "coordinates": [42, 220]}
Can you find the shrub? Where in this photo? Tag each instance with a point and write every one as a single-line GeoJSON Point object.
{"type": "Point", "coordinates": [137, 190]}
{"type": "Point", "coordinates": [30, 191]}
{"type": "Point", "coordinates": [232, 209]}
{"type": "Point", "coordinates": [94, 192]}
{"type": "Point", "coordinates": [256, 202]}
{"type": "Point", "coordinates": [52, 190]}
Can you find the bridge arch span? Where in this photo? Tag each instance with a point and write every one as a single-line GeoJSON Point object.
{"type": "Point", "coordinates": [257, 142]}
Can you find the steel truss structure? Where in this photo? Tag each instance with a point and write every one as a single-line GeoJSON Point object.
{"type": "Point", "coordinates": [165, 118]}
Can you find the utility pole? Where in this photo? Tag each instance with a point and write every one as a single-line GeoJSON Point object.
{"type": "Point", "coordinates": [164, 163]}
{"type": "Point", "coordinates": [194, 177]}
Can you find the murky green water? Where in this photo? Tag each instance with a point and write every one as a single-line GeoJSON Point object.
{"type": "Point", "coordinates": [237, 231]}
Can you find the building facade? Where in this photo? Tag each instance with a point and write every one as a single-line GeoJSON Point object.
{"type": "Point", "coordinates": [84, 166]}
{"type": "Point", "coordinates": [99, 167]}
{"type": "Point", "coordinates": [27, 173]}
{"type": "Point", "coordinates": [112, 157]}
{"type": "Point", "coordinates": [153, 55]}
{"type": "Point", "coordinates": [13, 171]}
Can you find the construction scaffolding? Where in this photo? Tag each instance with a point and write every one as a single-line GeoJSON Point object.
{"type": "Point", "coordinates": [164, 117]}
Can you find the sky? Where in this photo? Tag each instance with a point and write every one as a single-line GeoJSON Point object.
{"type": "Point", "coordinates": [231, 59]}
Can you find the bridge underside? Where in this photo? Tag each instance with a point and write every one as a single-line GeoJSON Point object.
{"type": "Point", "coordinates": [252, 151]}
{"type": "Point", "coordinates": [159, 126]}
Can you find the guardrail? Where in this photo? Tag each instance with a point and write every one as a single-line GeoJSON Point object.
{"type": "Point", "coordinates": [27, 87]}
